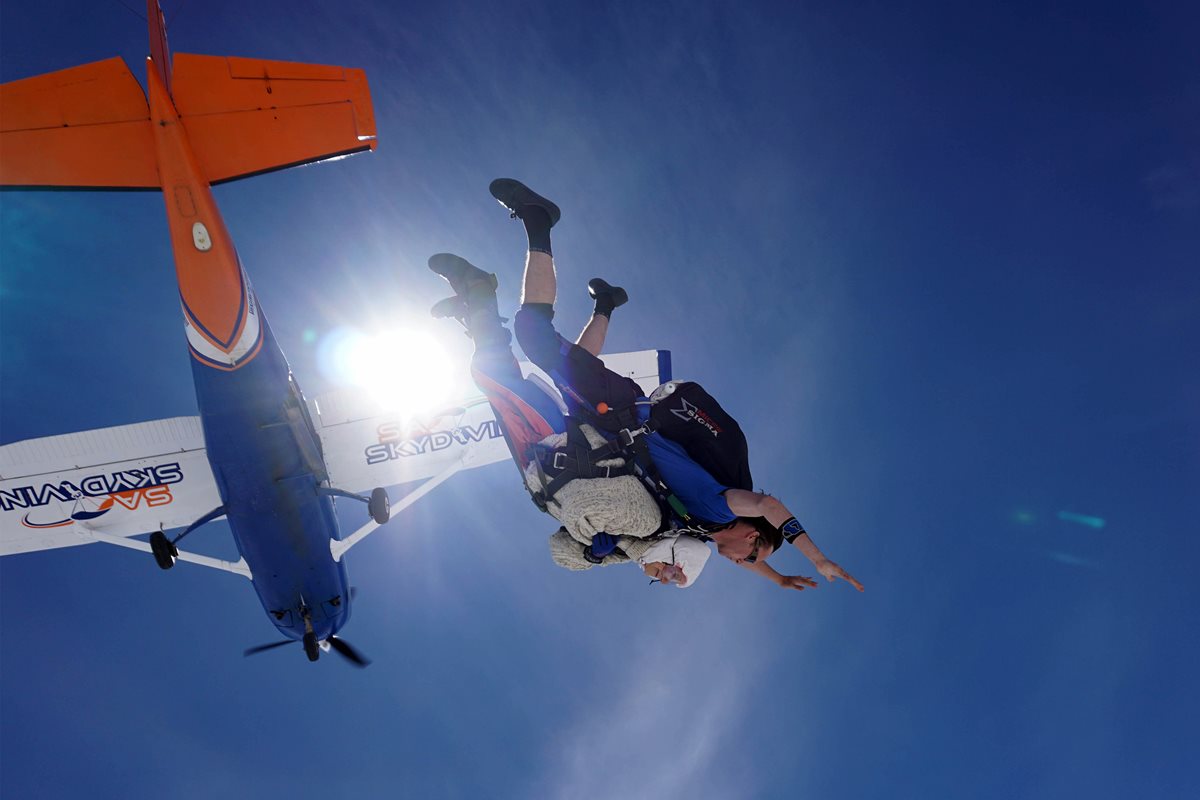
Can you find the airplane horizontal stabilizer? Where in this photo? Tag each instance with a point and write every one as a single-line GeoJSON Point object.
{"type": "Point", "coordinates": [84, 127]}
{"type": "Point", "coordinates": [247, 116]}
{"type": "Point", "coordinates": [119, 481]}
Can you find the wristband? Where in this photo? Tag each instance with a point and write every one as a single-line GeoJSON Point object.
{"type": "Point", "coordinates": [791, 529]}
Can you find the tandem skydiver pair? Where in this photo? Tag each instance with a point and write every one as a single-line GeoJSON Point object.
{"type": "Point", "coordinates": [631, 477]}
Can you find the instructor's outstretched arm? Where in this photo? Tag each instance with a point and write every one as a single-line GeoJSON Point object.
{"type": "Point", "coordinates": [797, 582]}
{"type": "Point", "coordinates": [756, 504]}
{"type": "Point", "coordinates": [824, 566]}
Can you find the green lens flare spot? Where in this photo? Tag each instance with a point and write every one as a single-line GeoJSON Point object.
{"type": "Point", "coordinates": [1081, 519]}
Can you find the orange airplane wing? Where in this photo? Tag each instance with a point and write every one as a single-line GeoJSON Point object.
{"type": "Point", "coordinates": [88, 126]}
{"type": "Point", "coordinates": [246, 116]}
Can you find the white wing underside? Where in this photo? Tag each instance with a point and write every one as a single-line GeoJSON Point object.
{"type": "Point", "coordinates": [78, 488]}
{"type": "Point", "coordinates": [122, 481]}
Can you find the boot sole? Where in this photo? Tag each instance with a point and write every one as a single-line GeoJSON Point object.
{"type": "Point", "coordinates": [512, 194]}
{"type": "Point", "coordinates": [598, 285]}
{"type": "Point", "coordinates": [456, 269]}
{"type": "Point", "coordinates": [453, 307]}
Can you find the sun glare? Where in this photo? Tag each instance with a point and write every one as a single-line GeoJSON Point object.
{"type": "Point", "coordinates": [402, 370]}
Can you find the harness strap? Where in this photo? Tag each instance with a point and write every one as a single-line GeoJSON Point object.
{"type": "Point", "coordinates": [567, 468]}
{"type": "Point", "coordinates": [578, 459]}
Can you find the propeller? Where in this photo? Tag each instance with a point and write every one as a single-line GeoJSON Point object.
{"type": "Point", "coordinates": [343, 649]}
{"type": "Point", "coordinates": [347, 652]}
{"type": "Point", "coordinates": [270, 646]}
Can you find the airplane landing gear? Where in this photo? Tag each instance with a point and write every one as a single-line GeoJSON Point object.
{"type": "Point", "coordinates": [311, 648]}
{"type": "Point", "coordinates": [164, 550]}
{"type": "Point", "coordinates": [378, 504]}
{"type": "Point", "coordinates": [380, 507]}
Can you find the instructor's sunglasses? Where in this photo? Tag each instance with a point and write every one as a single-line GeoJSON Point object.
{"type": "Point", "coordinates": [759, 541]}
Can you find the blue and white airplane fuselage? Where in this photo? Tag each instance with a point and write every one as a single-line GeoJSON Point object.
{"type": "Point", "coordinates": [266, 461]}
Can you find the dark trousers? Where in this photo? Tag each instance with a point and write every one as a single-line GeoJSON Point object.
{"type": "Point", "coordinates": [690, 416]}
{"type": "Point", "coordinates": [581, 377]}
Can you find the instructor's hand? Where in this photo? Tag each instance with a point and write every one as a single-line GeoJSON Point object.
{"type": "Point", "coordinates": [797, 582]}
{"type": "Point", "coordinates": [831, 571]}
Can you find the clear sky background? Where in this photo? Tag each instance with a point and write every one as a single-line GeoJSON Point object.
{"type": "Point", "coordinates": [941, 262]}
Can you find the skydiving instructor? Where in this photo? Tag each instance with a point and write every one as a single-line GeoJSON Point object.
{"type": "Point", "coordinates": [710, 473]}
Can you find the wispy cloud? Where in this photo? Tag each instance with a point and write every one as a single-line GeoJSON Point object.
{"type": "Point", "coordinates": [671, 724]}
{"type": "Point", "coordinates": [1073, 560]}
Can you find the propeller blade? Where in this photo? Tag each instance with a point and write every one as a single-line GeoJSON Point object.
{"type": "Point", "coordinates": [270, 646]}
{"type": "Point", "coordinates": [348, 652]}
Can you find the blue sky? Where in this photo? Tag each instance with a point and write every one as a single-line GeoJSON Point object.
{"type": "Point", "coordinates": [941, 263]}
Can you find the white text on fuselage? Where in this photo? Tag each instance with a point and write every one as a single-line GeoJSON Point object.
{"type": "Point", "coordinates": [431, 442]}
{"type": "Point", "coordinates": [101, 485]}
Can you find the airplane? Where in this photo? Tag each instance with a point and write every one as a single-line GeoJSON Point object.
{"type": "Point", "coordinates": [260, 454]}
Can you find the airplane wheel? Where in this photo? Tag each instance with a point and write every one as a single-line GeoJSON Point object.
{"type": "Point", "coordinates": [164, 551]}
{"type": "Point", "coordinates": [380, 506]}
{"type": "Point", "coordinates": [311, 648]}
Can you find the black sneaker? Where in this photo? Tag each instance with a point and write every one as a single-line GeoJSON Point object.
{"type": "Point", "coordinates": [599, 286]}
{"type": "Point", "coordinates": [459, 273]}
{"type": "Point", "coordinates": [513, 195]}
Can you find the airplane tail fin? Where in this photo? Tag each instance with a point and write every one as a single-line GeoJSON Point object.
{"type": "Point", "coordinates": [160, 53]}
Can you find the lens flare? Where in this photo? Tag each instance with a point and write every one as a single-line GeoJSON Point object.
{"type": "Point", "coordinates": [1081, 519]}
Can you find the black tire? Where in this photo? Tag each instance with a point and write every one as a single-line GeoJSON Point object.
{"type": "Point", "coordinates": [380, 506]}
{"type": "Point", "coordinates": [311, 648]}
{"type": "Point", "coordinates": [164, 551]}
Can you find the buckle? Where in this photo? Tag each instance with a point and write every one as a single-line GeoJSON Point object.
{"type": "Point", "coordinates": [627, 436]}
{"type": "Point", "coordinates": [554, 462]}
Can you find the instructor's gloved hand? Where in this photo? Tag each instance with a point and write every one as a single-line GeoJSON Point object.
{"type": "Point", "coordinates": [603, 544]}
